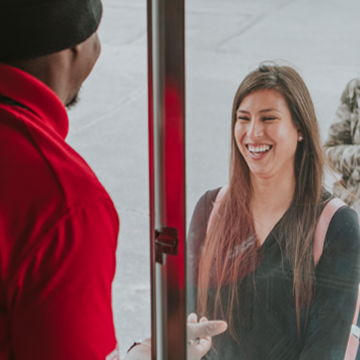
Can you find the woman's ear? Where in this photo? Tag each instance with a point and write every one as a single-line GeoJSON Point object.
{"type": "Point", "coordinates": [300, 136]}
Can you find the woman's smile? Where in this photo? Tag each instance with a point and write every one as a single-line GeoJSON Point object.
{"type": "Point", "coordinates": [258, 151]}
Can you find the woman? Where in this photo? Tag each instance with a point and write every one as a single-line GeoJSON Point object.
{"type": "Point", "coordinates": [254, 266]}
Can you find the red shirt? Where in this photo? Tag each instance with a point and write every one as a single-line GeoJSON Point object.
{"type": "Point", "coordinates": [58, 234]}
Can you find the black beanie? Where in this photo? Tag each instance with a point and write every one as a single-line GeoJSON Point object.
{"type": "Point", "coordinates": [33, 28]}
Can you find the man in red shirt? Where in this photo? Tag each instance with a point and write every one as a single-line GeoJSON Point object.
{"type": "Point", "coordinates": [58, 225]}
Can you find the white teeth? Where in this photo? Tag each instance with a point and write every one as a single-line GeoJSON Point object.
{"type": "Point", "coordinates": [257, 149]}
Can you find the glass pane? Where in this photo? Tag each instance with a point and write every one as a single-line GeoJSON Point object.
{"type": "Point", "coordinates": [225, 41]}
{"type": "Point", "coordinates": [109, 129]}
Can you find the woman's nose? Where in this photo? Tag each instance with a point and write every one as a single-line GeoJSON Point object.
{"type": "Point", "coordinates": [256, 129]}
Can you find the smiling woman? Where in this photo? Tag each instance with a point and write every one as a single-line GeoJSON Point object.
{"type": "Point", "coordinates": [267, 140]}
{"type": "Point", "coordinates": [254, 263]}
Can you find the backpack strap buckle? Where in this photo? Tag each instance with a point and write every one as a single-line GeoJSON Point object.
{"type": "Point", "coordinates": [355, 330]}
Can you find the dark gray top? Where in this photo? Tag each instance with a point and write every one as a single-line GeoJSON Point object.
{"type": "Point", "coordinates": [266, 317]}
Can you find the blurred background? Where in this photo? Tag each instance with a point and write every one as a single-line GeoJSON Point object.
{"type": "Point", "coordinates": [225, 39]}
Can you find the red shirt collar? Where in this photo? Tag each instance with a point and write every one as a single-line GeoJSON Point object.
{"type": "Point", "coordinates": [35, 95]}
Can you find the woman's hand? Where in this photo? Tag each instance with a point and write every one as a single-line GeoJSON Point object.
{"type": "Point", "coordinates": [199, 339]}
{"type": "Point", "coordinates": [200, 333]}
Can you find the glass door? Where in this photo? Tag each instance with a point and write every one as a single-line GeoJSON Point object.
{"type": "Point", "coordinates": [225, 41]}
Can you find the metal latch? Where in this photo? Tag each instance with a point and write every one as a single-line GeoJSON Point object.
{"type": "Point", "coordinates": [166, 242]}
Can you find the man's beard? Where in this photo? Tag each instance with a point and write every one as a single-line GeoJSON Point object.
{"type": "Point", "coordinates": [73, 102]}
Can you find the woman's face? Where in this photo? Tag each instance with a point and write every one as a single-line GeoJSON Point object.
{"type": "Point", "coordinates": [266, 135]}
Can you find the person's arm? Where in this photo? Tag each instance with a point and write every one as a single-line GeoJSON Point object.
{"type": "Point", "coordinates": [336, 288]}
{"type": "Point", "coordinates": [341, 150]}
{"type": "Point", "coordinates": [195, 241]}
{"type": "Point", "coordinates": [59, 297]}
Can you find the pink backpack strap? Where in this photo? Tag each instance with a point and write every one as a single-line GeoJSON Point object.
{"type": "Point", "coordinates": [217, 203]}
{"type": "Point", "coordinates": [323, 224]}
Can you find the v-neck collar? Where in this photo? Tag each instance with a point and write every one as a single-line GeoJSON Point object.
{"type": "Point", "coordinates": [270, 239]}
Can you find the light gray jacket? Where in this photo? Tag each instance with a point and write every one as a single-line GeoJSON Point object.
{"type": "Point", "coordinates": [343, 145]}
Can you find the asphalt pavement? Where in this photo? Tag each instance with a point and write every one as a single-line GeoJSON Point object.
{"type": "Point", "coordinates": [225, 39]}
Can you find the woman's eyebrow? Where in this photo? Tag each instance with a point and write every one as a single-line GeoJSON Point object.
{"type": "Point", "coordinates": [261, 111]}
{"type": "Point", "coordinates": [273, 109]}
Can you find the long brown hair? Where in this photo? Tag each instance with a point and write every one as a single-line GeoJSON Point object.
{"type": "Point", "coordinates": [230, 249]}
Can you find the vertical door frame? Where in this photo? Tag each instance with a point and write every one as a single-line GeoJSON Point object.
{"type": "Point", "coordinates": [166, 92]}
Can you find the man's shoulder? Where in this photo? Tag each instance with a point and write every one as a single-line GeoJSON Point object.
{"type": "Point", "coordinates": [42, 178]}
{"type": "Point", "coordinates": [38, 162]}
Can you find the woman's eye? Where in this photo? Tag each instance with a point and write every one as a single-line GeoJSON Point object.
{"type": "Point", "coordinates": [243, 118]}
{"type": "Point", "coordinates": [269, 118]}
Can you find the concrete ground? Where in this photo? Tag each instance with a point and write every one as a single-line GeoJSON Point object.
{"type": "Point", "coordinates": [225, 39]}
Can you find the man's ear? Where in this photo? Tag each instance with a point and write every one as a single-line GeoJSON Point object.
{"type": "Point", "coordinates": [88, 48]}
{"type": "Point", "coordinates": [76, 50]}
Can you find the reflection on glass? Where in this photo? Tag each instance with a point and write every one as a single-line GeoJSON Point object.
{"type": "Point", "coordinates": [258, 255]}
